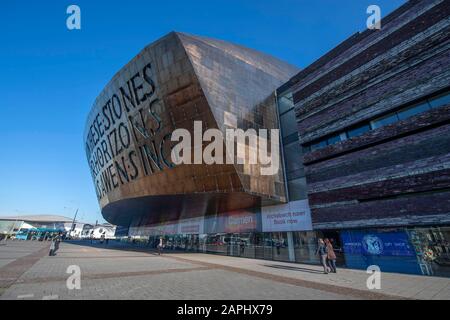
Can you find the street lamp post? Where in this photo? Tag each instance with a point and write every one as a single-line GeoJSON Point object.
{"type": "Point", "coordinates": [73, 223]}
{"type": "Point", "coordinates": [11, 231]}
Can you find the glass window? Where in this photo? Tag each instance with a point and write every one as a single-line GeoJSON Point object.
{"type": "Point", "coordinates": [246, 245]}
{"type": "Point", "coordinates": [285, 102]}
{"type": "Point", "coordinates": [293, 157]}
{"type": "Point", "coordinates": [280, 250]}
{"type": "Point", "coordinates": [288, 124]}
{"type": "Point", "coordinates": [297, 189]}
{"type": "Point", "coordinates": [263, 246]}
{"type": "Point", "coordinates": [292, 175]}
{"type": "Point", "coordinates": [319, 145]}
{"type": "Point", "coordinates": [358, 131]}
{"type": "Point", "coordinates": [334, 139]}
{"type": "Point", "coordinates": [432, 246]}
{"type": "Point", "coordinates": [384, 121]}
{"type": "Point", "coordinates": [411, 111]}
{"type": "Point", "coordinates": [216, 243]}
{"type": "Point", "coordinates": [305, 246]}
{"type": "Point", "coordinates": [440, 101]}
{"type": "Point", "coordinates": [291, 138]}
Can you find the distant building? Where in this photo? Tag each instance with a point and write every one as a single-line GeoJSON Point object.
{"type": "Point", "coordinates": [107, 230]}
{"type": "Point", "coordinates": [23, 226]}
{"type": "Point", "coordinates": [79, 229]}
{"type": "Point", "coordinates": [13, 224]}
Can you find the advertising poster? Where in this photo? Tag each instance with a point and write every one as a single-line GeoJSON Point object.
{"type": "Point", "coordinates": [191, 226]}
{"type": "Point", "coordinates": [240, 221]}
{"type": "Point", "coordinates": [215, 224]}
{"type": "Point", "coordinates": [377, 243]}
{"type": "Point", "coordinates": [293, 216]}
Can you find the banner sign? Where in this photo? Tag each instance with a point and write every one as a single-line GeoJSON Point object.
{"type": "Point", "coordinates": [292, 216]}
{"type": "Point", "coordinates": [185, 226]}
{"type": "Point", "coordinates": [377, 243]}
{"type": "Point", "coordinates": [191, 226]}
{"type": "Point", "coordinates": [240, 221]}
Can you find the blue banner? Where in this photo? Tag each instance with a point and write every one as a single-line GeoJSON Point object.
{"type": "Point", "coordinates": [377, 243]}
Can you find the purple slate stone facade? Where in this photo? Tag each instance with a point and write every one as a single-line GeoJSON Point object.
{"type": "Point", "coordinates": [396, 174]}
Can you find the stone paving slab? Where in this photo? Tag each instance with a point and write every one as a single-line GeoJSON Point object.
{"type": "Point", "coordinates": [137, 273]}
{"type": "Point", "coordinates": [51, 267]}
{"type": "Point", "coordinates": [4, 262]}
{"type": "Point", "coordinates": [195, 284]}
{"type": "Point", "coordinates": [12, 271]}
{"type": "Point", "coordinates": [392, 284]}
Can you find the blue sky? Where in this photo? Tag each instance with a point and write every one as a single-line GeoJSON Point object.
{"type": "Point", "coordinates": [50, 76]}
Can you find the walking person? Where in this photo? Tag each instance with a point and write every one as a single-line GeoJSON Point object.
{"type": "Point", "coordinates": [322, 252]}
{"type": "Point", "coordinates": [242, 247]}
{"type": "Point", "coordinates": [57, 242]}
{"type": "Point", "coordinates": [52, 248]}
{"type": "Point", "coordinates": [160, 246]}
{"type": "Point", "coordinates": [278, 246]}
{"type": "Point", "coordinates": [331, 256]}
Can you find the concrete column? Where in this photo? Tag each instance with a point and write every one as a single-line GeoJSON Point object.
{"type": "Point", "coordinates": [231, 245]}
{"type": "Point", "coordinates": [290, 238]}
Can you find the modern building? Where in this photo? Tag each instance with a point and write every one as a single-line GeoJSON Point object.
{"type": "Point", "coordinates": [79, 230]}
{"type": "Point", "coordinates": [104, 230]}
{"type": "Point", "coordinates": [37, 226]}
{"type": "Point", "coordinates": [173, 82]}
{"type": "Point", "coordinates": [362, 140]}
{"type": "Point", "coordinates": [373, 120]}
{"type": "Point", "coordinates": [26, 227]}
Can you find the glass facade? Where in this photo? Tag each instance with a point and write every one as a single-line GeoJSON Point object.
{"type": "Point", "coordinates": [292, 152]}
{"type": "Point", "coordinates": [305, 246]}
{"type": "Point", "coordinates": [432, 248]}
{"type": "Point", "coordinates": [418, 250]}
{"type": "Point", "coordinates": [257, 245]}
{"type": "Point", "coordinates": [256, 234]}
{"type": "Point", "coordinates": [436, 101]}
{"type": "Point", "coordinates": [267, 237]}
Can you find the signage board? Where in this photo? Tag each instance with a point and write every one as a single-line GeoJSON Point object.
{"type": "Point", "coordinates": [292, 216]}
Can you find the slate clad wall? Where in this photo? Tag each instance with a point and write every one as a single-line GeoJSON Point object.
{"type": "Point", "coordinates": [398, 174]}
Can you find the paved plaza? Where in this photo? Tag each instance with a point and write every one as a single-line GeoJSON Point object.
{"type": "Point", "coordinates": [122, 272]}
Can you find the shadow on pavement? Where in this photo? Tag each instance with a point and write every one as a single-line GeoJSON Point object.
{"type": "Point", "coordinates": [294, 268]}
{"type": "Point", "coordinates": [114, 245]}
